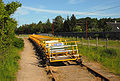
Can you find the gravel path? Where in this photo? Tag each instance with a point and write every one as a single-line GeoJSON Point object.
{"type": "Point", "coordinates": [29, 70]}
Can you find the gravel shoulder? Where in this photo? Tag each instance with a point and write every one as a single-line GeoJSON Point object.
{"type": "Point", "coordinates": [29, 70]}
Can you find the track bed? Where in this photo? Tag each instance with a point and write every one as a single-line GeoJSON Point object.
{"type": "Point", "coordinates": [72, 73]}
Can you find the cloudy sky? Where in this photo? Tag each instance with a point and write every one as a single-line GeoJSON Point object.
{"type": "Point", "coordinates": [41, 10]}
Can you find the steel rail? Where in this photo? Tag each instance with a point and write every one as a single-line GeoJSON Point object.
{"type": "Point", "coordinates": [94, 72]}
{"type": "Point", "coordinates": [54, 77]}
{"type": "Point", "coordinates": [97, 74]}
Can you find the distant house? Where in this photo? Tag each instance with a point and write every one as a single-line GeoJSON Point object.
{"type": "Point", "coordinates": [115, 26]}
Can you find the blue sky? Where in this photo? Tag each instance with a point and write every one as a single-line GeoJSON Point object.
{"type": "Point", "coordinates": [41, 10]}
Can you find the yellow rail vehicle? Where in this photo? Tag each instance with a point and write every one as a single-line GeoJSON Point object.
{"type": "Point", "coordinates": [56, 49]}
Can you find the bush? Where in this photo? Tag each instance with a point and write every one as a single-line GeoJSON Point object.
{"type": "Point", "coordinates": [18, 42]}
{"type": "Point", "coordinates": [109, 52]}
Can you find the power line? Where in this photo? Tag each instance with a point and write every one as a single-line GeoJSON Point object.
{"type": "Point", "coordinates": [106, 9]}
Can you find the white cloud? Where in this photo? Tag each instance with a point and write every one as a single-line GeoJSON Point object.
{"type": "Point", "coordinates": [59, 11]}
{"type": "Point", "coordinates": [22, 11]}
{"type": "Point", "coordinates": [70, 12]}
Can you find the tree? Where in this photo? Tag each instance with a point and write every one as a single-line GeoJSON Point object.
{"type": "Point", "coordinates": [78, 29]}
{"type": "Point", "coordinates": [93, 26]}
{"type": "Point", "coordinates": [73, 23]}
{"type": "Point", "coordinates": [70, 25]}
{"type": "Point", "coordinates": [58, 24]}
{"type": "Point", "coordinates": [48, 26]}
{"type": "Point", "coordinates": [7, 24]}
{"type": "Point", "coordinates": [103, 24]}
{"type": "Point", "coordinates": [81, 22]}
{"type": "Point", "coordinates": [40, 27]}
{"type": "Point", "coordinates": [67, 25]}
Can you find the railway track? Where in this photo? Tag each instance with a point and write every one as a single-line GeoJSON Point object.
{"type": "Point", "coordinates": [62, 60]}
{"type": "Point", "coordinates": [70, 71]}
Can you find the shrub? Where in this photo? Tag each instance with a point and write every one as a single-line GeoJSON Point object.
{"type": "Point", "coordinates": [18, 42]}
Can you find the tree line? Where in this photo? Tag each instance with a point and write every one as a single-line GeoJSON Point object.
{"type": "Point", "coordinates": [68, 25]}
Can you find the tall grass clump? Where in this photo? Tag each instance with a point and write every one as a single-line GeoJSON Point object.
{"type": "Point", "coordinates": [109, 58]}
{"type": "Point", "coordinates": [9, 61]}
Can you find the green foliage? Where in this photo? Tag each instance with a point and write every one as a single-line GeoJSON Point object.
{"type": "Point", "coordinates": [108, 57]}
{"type": "Point", "coordinates": [9, 64]}
{"type": "Point", "coordinates": [78, 29]}
{"type": "Point", "coordinates": [39, 27]}
{"type": "Point", "coordinates": [103, 24]}
{"type": "Point", "coordinates": [7, 24]}
{"type": "Point", "coordinates": [35, 28]}
{"type": "Point", "coordinates": [69, 25]}
{"type": "Point", "coordinates": [8, 53]}
{"type": "Point", "coordinates": [96, 35]}
{"type": "Point", "coordinates": [58, 24]}
{"type": "Point", "coordinates": [48, 26]}
{"type": "Point", "coordinates": [73, 22]}
{"type": "Point", "coordinates": [12, 7]}
{"type": "Point", "coordinates": [18, 42]}
{"type": "Point", "coordinates": [109, 52]}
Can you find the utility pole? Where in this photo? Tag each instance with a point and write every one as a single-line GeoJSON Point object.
{"type": "Point", "coordinates": [86, 29]}
{"type": "Point", "coordinates": [53, 27]}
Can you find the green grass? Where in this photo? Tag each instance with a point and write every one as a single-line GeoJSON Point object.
{"type": "Point", "coordinates": [9, 60]}
{"type": "Point", "coordinates": [111, 43]}
{"type": "Point", "coordinates": [9, 64]}
{"type": "Point", "coordinates": [109, 58]}
{"type": "Point", "coordinates": [23, 35]}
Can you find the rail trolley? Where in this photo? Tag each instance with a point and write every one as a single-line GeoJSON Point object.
{"type": "Point", "coordinates": [57, 49]}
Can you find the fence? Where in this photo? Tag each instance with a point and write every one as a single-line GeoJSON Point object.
{"type": "Point", "coordinates": [96, 42]}
{"type": "Point", "coordinates": [93, 42]}
{"type": "Point", "coordinates": [110, 35]}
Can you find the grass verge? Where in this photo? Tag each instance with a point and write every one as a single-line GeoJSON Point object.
{"type": "Point", "coordinates": [9, 60]}
{"type": "Point", "coordinates": [9, 64]}
{"type": "Point", "coordinates": [109, 58]}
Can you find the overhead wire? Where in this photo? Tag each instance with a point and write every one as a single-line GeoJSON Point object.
{"type": "Point", "coordinates": [106, 9]}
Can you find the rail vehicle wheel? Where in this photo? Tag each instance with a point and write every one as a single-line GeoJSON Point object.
{"type": "Point", "coordinates": [48, 62]}
{"type": "Point", "coordinates": [79, 62]}
{"type": "Point", "coordinates": [43, 57]}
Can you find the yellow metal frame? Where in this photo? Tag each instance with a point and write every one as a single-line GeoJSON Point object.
{"type": "Point", "coordinates": [41, 41]}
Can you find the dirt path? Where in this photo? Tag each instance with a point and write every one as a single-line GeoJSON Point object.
{"type": "Point", "coordinates": [29, 70]}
